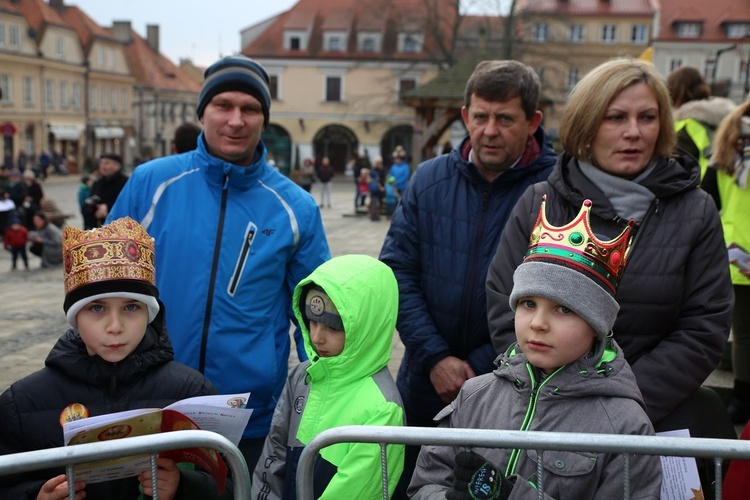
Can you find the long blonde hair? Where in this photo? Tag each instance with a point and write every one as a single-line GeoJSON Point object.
{"type": "Point", "coordinates": [725, 140]}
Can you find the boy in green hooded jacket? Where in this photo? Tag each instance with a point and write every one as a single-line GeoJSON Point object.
{"type": "Point", "coordinates": [347, 312]}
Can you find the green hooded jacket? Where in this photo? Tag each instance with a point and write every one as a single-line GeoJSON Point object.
{"type": "Point", "coordinates": [353, 388]}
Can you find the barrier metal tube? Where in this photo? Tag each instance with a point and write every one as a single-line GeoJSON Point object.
{"type": "Point", "coordinates": [536, 440]}
{"type": "Point", "coordinates": [139, 445]}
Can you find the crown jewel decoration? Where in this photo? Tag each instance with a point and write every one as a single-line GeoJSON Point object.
{"type": "Point", "coordinates": [120, 250]}
{"type": "Point", "coordinates": [575, 245]}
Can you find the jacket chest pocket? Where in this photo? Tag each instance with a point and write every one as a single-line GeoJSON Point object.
{"type": "Point", "coordinates": [563, 471]}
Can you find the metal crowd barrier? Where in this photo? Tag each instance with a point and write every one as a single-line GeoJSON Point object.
{"type": "Point", "coordinates": [68, 456]}
{"type": "Point", "coordinates": [527, 440]}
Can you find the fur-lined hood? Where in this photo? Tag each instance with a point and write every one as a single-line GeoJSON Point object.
{"type": "Point", "coordinates": [709, 111]}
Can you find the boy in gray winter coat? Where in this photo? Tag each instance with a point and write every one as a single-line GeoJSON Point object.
{"type": "Point", "coordinates": [565, 373]}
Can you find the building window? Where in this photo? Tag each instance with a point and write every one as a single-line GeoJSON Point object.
{"type": "Point", "coordinates": [15, 36]}
{"type": "Point", "coordinates": [113, 100]}
{"type": "Point", "coordinates": [541, 32]}
{"type": "Point", "coordinates": [6, 85]}
{"type": "Point", "coordinates": [123, 100]}
{"type": "Point", "coordinates": [28, 91]}
{"type": "Point", "coordinates": [737, 30]}
{"type": "Point", "coordinates": [333, 89]}
{"type": "Point", "coordinates": [674, 64]}
{"type": "Point", "coordinates": [93, 97]}
{"type": "Point", "coordinates": [334, 44]}
{"type": "Point", "coordinates": [406, 84]}
{"type": "Point", "coordinates": [103, 99]}
{"type": "Point", "coordinates": [639, 34]}
{"type": "Point", "coordinates": [688, 29]}
{"type": "Point", "coordinates": [60, 47]}
{"type": "Point", "coordinates": [75, 97]}
{"type": "Point", "coordinates": [572, 77]}
{"type": "Point", "coordinates": [2, 34]}
{"type": "Point", "coordinates": [368, 45]}
{"type": "Point", "coordinates": [64, 95]}
{"type": "Point", "coordinates": [100, 56]}
{"type": "Point", "coordinates": [576, 33]}
{"type": "Point", "coordinates": [294, 43]}
{"type": "Point", "coordinates": [273, 86]}
{"type": "Point", "coordinates": [410, 45]}
{"type": "Point", "coordinates": [609, 33]}
{"type": "Point", "coordinates": [49, 93]}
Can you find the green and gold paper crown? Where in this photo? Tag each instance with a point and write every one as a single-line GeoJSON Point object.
{"type": "Point", "coordinates": [575, 245]}
{"type": "Point", "coordinates": [121, 250]}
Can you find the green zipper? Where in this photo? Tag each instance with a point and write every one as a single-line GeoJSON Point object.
{"type": "Point", "coordinates": [529, 417]}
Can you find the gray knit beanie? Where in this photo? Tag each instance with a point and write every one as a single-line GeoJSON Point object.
{"type": "Point", "coordinates": [320, 308]}
{"type": "Point", "coordinates": [568, 287]}
{"type": "Point", "coordinates": [238, 73]}
{"type": "Point", "coordinates": [572, 267]}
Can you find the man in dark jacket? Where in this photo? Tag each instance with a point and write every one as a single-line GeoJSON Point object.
{"type": "Point", "coordinates": [107, 187]}
{"type": "Point", "coordinates": [446, 230]}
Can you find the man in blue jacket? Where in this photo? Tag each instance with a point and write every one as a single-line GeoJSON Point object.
{"type": "Point", "coordinates": [445, 232]}
{"type": "Point", "coordinates": [233, 238]}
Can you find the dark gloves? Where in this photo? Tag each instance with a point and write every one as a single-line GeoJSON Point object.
{"type": "Point", "coordinates": [477, 479]}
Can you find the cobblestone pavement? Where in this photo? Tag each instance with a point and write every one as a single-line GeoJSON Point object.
{"type": "Point", "coordinates": [31, 315]}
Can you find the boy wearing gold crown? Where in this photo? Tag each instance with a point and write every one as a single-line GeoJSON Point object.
{"type": "Point", "coordinates": [116, 357]}
{"type": "Point", "coordinates": [565, 373]}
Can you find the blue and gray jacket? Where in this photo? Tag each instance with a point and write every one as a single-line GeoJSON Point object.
{"type": "Point", "coordinates": [231, 244]}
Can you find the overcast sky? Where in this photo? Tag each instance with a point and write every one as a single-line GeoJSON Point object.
{"type": "Point", "coordinates": [204, 30]}
{"type": "Point", "coordinates": [201, 30]}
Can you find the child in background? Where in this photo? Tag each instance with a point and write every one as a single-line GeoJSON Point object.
{"type": "Point", "coordinates": [116, 357]}
{"type": "Point", "coordinates": [565, 373]}
{"type": "Point", "coordinates": [84, 192]}
{"type": "Point", "coordinates": [347, 313]}
{"type": "Point", "coordinates": [363, 186]}
{"type": "Point", "coordinates": [15, 239]}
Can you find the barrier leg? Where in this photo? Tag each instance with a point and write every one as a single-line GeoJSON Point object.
{"type": "Point", "coordinates": [71, 483]}
{"type": "Point", "coordinates": [540, 474]}
{"type": "Point", "coordinates": [154, 479]}
{"type": "Point", "coordinates": [717, 478]}
{"type": "Point", "coordinates": [384, 470]}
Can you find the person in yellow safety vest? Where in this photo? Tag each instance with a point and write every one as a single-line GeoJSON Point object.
{"type": "Point", "coordinates": [726, 180]}
{"type": "Point", "coordinates": [696, 113]}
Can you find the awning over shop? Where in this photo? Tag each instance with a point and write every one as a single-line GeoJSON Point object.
{"type": "Point", "coordinates": [108, 132]}
{"type": "Point", "coordinates": [66, 132]}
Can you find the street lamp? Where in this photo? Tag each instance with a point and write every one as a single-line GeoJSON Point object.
{"type": "Point", "coordinates": [717, 55]}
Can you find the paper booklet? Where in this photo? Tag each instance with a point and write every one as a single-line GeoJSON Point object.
{"type": "Point", "coordinates": [223, 414]}
{"type": "Point", "coordinates": [680, 480]}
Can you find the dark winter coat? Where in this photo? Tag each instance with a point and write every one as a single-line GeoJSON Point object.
{"type": "Point", "coordinates": [441, 241]}
{"type": "Point", "coordinates": [675, 296]}
{"type": "Point", "coordinates": [148, 378]}
{"type": "Point", "coordinates": [108, 188]}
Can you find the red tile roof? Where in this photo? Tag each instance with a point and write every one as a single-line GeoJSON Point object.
{"type": "Point", "coordinates": [388, 17]}
{"type": "Point", "coordinates": [713, 14]}
{"type": "Point", "coordinates": [85, 27]}
{"type": "Point", "coordinates": [152, 69]}
{"type": "Point", "coordinates": [589, 7]}
{"type": "Point", "coordinates": [39, 15]}
{"type": "Point", "coordinates": [10, 7]}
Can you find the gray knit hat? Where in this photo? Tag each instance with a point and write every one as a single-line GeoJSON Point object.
{"type": "Point", "coordinates": [320, 308]}
{"type": "Point", "coordinates": [238, 73]}
{"type": "Point", "coordinates": [571, 266]}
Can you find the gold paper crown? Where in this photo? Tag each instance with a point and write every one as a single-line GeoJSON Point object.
{"type": "Point", "coordinates": [574, 245]}
{"type": "Point", "coordinates": [121, 250]}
